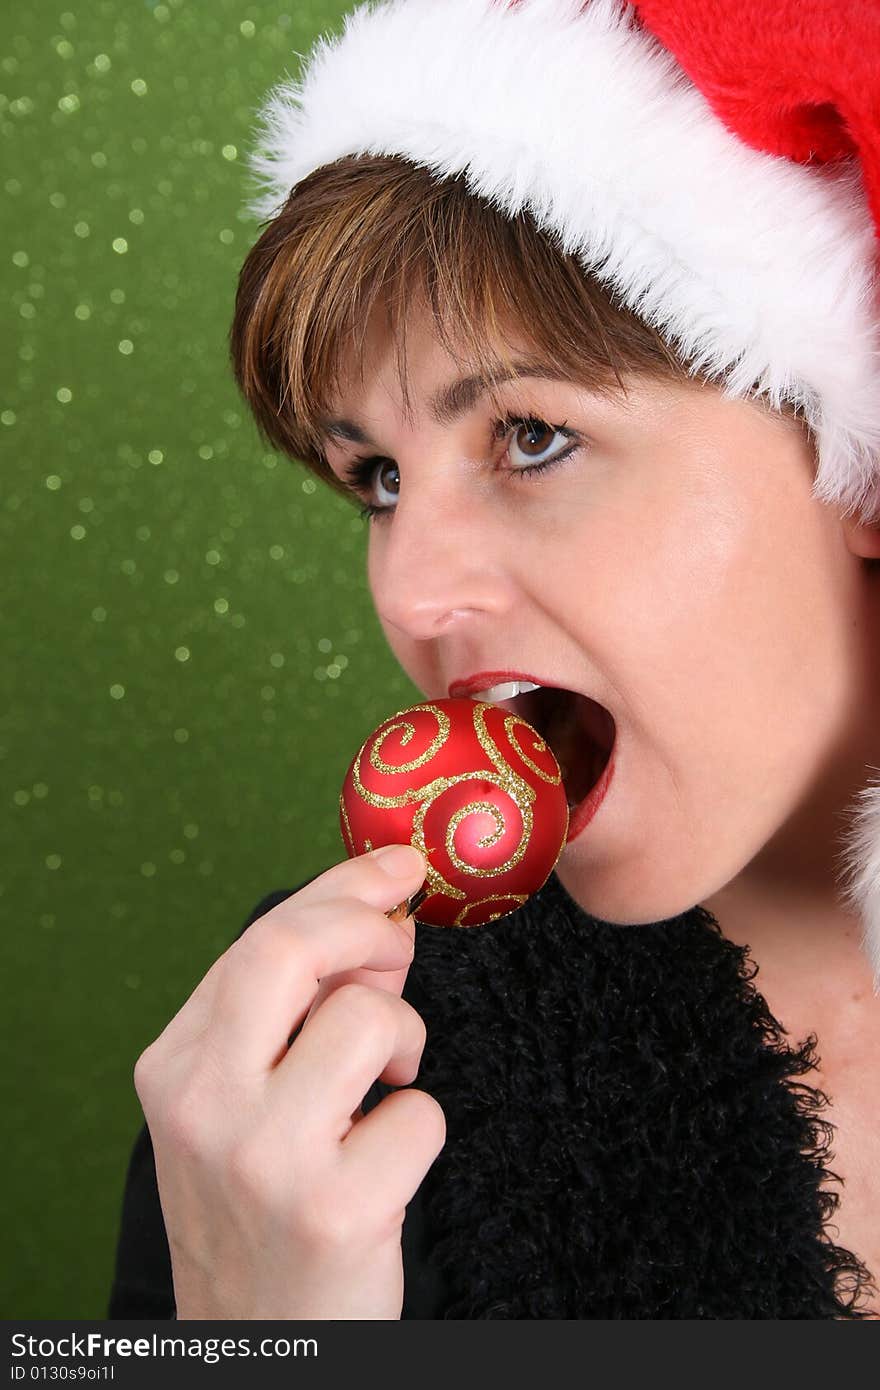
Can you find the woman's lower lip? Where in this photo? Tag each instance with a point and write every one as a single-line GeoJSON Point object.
{"type": "Point", "coordinates": [583, 813]}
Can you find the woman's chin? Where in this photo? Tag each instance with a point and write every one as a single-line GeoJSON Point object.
{"type": "Point", "coordinates": [624, 899]}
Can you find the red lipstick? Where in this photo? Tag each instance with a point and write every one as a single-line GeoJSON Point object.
{"type": "Point", "coordinates": [484, 680]}
{"type": "Point", "coordinates": [583, 813]}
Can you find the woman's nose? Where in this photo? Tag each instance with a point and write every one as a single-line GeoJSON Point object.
{"type": "Point", "coordinates": [433, 564]}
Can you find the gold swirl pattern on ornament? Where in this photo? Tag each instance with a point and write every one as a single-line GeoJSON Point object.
{"type": "Point", "coordinates": [437, 884]}
{"type": "Point", "coordinates": [509, 724]}
{"type": "Point", "coordinates": [496, 757]}
{"type": "Point", "coordinates": [512, 786]}
{"type": "Point", "coordinates": [409, 733]}
{"type": "Point", "coordinates": [493, 752]}
{"type": "Point", "coordinates": [473, 808]}
{"type": "Point", "coordinates": [435, 880]}
{"type": "Point", "coordinates": [518, 898]}
{"type": "Point", "coordinates": [507, 780]}
{"type": "Point", "coordinates": [386, 803]}
{"type": "Point", "coordinates": [350, 844]}
{"type": "Point", "coordinates": [507, 775]}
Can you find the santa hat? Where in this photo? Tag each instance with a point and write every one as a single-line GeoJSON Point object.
{"type": "Point", "coordinates": [716, 165]}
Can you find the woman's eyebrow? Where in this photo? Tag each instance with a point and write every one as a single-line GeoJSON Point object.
{"type": "Point", "coordinates": [456, 399]}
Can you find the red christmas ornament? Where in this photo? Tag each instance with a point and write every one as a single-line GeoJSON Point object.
{"type": "Point", "coordinates": [476, 789]}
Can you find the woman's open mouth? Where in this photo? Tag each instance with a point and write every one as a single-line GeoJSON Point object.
{"type": "Point", "coordinates": [582, 734]}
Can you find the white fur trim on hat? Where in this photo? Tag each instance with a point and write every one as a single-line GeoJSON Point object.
{"type": "Point", "coordinates": [860, 878]}
{"type": "Point", "coordinates": [759, 270]}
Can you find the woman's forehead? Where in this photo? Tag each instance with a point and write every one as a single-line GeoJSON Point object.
{"type": "Point", "coordinates": [444, 377]}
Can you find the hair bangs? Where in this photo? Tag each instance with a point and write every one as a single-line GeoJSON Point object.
{"type": "Point", "coordinates": [368, 235]}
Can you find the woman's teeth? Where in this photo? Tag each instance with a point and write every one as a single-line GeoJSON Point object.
{"type": "Point", "coordinates": [508, 690]}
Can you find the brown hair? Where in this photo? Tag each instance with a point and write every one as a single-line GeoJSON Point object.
{"type": "Point", "coordinates": [366, 230]}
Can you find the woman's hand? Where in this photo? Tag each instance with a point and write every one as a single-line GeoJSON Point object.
{"type": "Point", "coordinates": [280, 1198]}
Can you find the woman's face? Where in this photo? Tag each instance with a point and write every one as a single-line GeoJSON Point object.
{"type": "Point", "coordinates": [673, 567]}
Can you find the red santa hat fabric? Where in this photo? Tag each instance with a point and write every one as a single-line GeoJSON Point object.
{"type": "Point", "coordinates": [798, 78]}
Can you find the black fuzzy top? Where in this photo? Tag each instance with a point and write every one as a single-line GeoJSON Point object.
{"type": "Point", "coordinates": [627, 1136]}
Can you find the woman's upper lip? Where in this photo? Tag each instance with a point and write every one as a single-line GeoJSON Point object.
{"type": "Point", "coordinates": [484, 680]}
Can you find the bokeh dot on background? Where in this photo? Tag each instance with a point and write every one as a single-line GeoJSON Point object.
{"type": "Point", "coordinates": [191, 656]}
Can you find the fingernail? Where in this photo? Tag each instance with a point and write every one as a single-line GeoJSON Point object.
{"type": "Point", "coordinates": [400, 861]}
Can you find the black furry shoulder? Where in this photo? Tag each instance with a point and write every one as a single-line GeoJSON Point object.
{"type": "Point", "coordinates": [626, 1134]}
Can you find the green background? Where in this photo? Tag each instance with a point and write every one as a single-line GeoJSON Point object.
{"type": "Point", "coordinates": [190, 654]}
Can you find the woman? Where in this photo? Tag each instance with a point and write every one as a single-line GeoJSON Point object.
{"type": "Point", "coordinates": [605, 381]}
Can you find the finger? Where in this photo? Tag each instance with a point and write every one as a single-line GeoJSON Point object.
{"type": "Point", "coordinates": [357, 1035]}
{"type": "Point", "coordinates": [191, 1019]}
{"type": "Point", "coordinates": [389, 1151]}
{"type": "Point", "coordinates": [390, 980]}
{"type": "Point", "coordinates": [335, 923]}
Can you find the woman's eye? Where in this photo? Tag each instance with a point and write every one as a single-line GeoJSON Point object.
{"type": "Point", "coordinates": [361, 476]}
{"type": "Point", "coordinates": [532, 439]}
{"type": "Point", "coordinates": [385, 488]}
{"type": "Point", "coordinates": [528, 451]}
